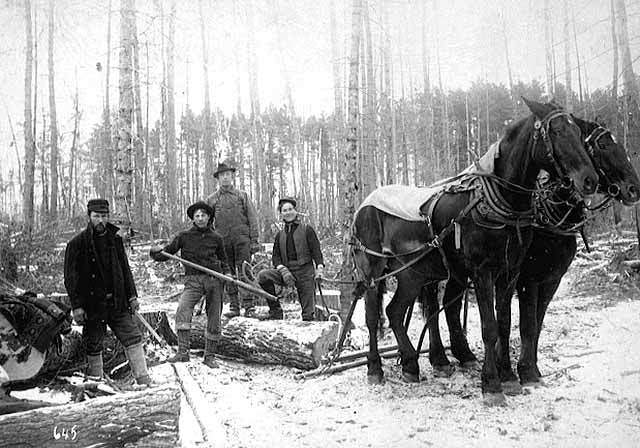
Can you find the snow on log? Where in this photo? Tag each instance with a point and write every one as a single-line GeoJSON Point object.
{"type": "Point", "coordinates": [290, 343]}
{"type": "Point", "coordinates": [146, 418]}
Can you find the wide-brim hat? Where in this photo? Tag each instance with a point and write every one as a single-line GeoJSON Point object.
{"type": "Point", "coordinates": [290, 200]}
{"type": "Point", "coordinates": [200, 205]}
{"type": "Point", "coordinates": [98, 205]}
{"type": "Point", "coordinates": [223, 167]}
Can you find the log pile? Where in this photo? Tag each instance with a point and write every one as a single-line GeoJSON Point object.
{"type": "Point", "coordinates": [290, 343]}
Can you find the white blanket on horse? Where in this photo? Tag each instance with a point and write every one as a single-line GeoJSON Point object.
{"type": "Point", "coordinates": [402, 201]}
{"type": "Point", "coordinates": [405, 202]}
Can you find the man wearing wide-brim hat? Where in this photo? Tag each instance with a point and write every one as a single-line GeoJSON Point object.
{"type": "Point", "coordinates": [297, 259]}
{"type": "Point", "coordinates": [202, 245]}
{"type": "Point", "coordinates": [102, 292]}
{"type": "Point", "coordinates": [237, 221]}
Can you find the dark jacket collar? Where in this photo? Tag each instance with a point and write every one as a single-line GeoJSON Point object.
{"type": "Point", "coordinates": [291, 225]}
{"type": "Point", "coordinates": [195, 228]}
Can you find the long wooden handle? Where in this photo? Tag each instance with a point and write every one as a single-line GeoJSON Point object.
{"type": "Point", "coordinates": [226, 278]}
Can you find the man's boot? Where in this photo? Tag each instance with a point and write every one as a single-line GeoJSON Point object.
{"type": "Point", "coordinates": [184, 343]}
{"type": "Point", "coordinates": [209, 353]}
{"type": "Point", "coordinates": [138, 364]}
{"type": "Point", "coordinates": [234, 307]}
{"type": "Point", "coordinates": [94, 365]}
{"type": "Point", "coordinates": [275, 310]}
{"type": "Point", "coordinates": [248, 305]}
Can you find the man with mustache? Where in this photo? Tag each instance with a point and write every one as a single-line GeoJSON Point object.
{"type": "Point", "coordinates": [102, 291]}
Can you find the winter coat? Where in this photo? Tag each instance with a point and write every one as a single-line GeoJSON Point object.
{"type": "Point", "coordinates": [84, 276]}
{"type": "Point", "coordinates": [234, 214]}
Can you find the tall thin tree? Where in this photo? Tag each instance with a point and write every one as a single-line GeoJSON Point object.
{"type": "Point", "coordinates": [53, 122]}
{"type": "Point", "coordinates": [29, 145]}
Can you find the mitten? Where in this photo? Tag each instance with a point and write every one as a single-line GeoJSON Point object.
{"type": "Point", "coordinates": [287, 276]}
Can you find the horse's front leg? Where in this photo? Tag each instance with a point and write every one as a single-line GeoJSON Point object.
{"type": "Point", "coordinates": [406, 292]}
{"type": "Point", "coordinates": [545, 295]}
{"type": "Point", "coordinates": [504, 294]}
{"type": "Point", "coordinates": [527, 302]}
{"type": "Point", "coordinates": [373, 303]}
{"type": "Point", "coordinates": [491, 386]}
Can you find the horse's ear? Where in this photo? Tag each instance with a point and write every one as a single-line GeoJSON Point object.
{"type": "Point", "coordinates": [536, 108]}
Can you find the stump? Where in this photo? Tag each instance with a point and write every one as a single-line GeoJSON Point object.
{"type": "Point", "coordinates": [289, 343]}
{"type": "Point", "coordinates": [145, 418]}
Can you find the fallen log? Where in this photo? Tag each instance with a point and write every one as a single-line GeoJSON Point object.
{"type": "Point", "coordinates": [290, 343]}
{"type": "Point", "coordinates": [146, 418]}
{"type": "Point", "coordinates": [632, 264]}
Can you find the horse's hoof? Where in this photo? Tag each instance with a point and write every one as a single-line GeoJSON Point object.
{"type": "Point", "coordinates": [512, 388]}
{"type": "Point", "coordinates": [470, 365]}
{"type": "Point", "coordinates": [492, 399]}
{"type": "Point", "coordinates": [411, 377]}
{"type": "Point", "coordinates": [375, 378]}
{"type": "Point", "coordinates": [444, 371]}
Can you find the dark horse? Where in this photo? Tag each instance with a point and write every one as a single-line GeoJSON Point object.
{"type": "Point", "coordinates": [489, 254]}
{"type": "Point", "coordinates": [551, 251]}
{"type": "Point", "coordinates": [546, 261]}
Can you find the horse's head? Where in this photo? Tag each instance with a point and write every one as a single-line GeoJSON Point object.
{"type": "Point", "coordinates": [618, 178]}
{"type": "Point", "coordinates": [559, 147]}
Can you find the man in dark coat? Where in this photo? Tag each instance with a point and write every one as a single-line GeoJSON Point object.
{"type": "Point", "coordinates": [296, 249]}
{"type": "Point", "coordinates": [236, 220]}
{"type": "Point", "coordinates": [204, 246]}
{"type": "Point", "coordinates": [102, 292]}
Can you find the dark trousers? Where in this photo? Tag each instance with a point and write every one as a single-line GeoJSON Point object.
{"type": "Point", "coordinates": [120, 322]}
{"type": "Point", "coordinates": [195, 286]}
{"type": "Point", "coordinates": [305, 285]}
{"type": "Point", "coordinates": [238, 251]}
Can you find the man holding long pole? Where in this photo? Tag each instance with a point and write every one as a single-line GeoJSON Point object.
{"type": "Point", "coordinates": [202, 246]}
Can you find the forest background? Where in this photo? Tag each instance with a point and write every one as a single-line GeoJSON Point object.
{"type": "Point", "coordinates": [139, 100]}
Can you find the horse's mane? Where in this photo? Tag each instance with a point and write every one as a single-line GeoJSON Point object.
{"type": "Point", "coordinates": [512, 131]}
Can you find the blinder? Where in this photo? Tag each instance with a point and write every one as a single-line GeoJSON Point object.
{"type": "Point", "coordinates": [541, 129]}
{"type": "Point", "coordinates": [592, 143]}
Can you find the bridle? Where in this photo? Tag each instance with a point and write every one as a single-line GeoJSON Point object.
{"type": "Point", "coordinates": [592, 145]}
{"type": "Point", "coordinates": [541, 129]}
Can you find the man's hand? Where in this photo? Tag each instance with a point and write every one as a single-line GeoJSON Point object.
{"type": "Point", "coordinates": [155, 249]}
{"type": "Point", "coordinates": [134, 305]}
{"type": "Point", "coordinates": [79, 316]}
{"type": "Point", "coordinates": [319, 272]}
{"type": "Point", "coordinates": [255, 247]}
{"type": "Point", "coordinates": [287, 276]}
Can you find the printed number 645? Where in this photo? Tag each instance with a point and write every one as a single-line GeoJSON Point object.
{"type": "Point", "coordinates": [64, 433]}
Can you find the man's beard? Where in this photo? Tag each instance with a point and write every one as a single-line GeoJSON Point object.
{"type": "Point", "coordinates": [100, 228]}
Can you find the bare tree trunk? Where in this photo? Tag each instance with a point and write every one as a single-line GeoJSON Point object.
{"type": "Point", "coordinates": [208, 142]}
{"type": "Point", "coordinates": [338, 87]}
{"type": "Point", "coordinates": [575, 41]}
{"type": "Point", "coordinates": [29, 145]}
{"type": "Point", "coordinates": [261, 182]}
{"type": "Point", "coordinates": [74, 163]}
{"type": "Point", "coordinates": [350, 182]}
{"type": "Point", "coordinates": [172, 179]}
{"type": "Point", "coordinates": [548, 50]}
{"type": "Point", "coordinates": [370, 116]}
{"type": "Point", "coordinates": [391, 161]}
{"type": "Point", "coordinates": [138, 140]}
{"type": "Point", "coordinates": [53, 123]}
{"type": "Point", "coordinates": [124, 175]}
{"type": "Point", "coordinates": [614, 82]}
{"type": "Point", "coordinates": [44, 180]}
{"type": "Point", "coordinates": [567, 56]}
{"type": "Point", "coordinates": [106, 189]}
